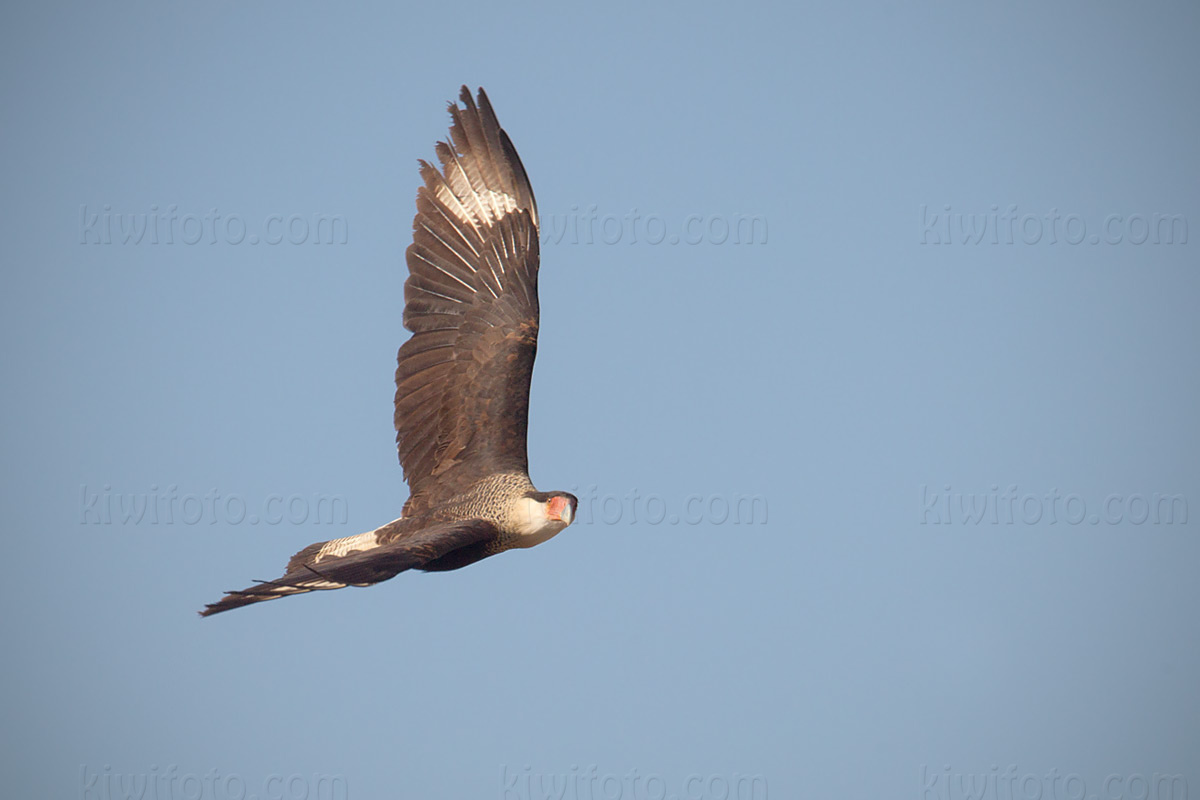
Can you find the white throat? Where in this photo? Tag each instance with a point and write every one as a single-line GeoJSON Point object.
{"type": "Point", "coordinates": [531, 524]}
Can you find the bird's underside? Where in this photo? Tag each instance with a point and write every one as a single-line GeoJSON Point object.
{"type": "Point", "coordinates": [462, 378]}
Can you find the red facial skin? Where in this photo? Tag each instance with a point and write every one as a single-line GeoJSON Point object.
{"type": "Point", "coordinates": [555, 508]}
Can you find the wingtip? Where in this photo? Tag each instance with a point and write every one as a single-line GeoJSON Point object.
{"type": "Point", "coordinates": [217, 607]}
{"type": "Point", "coordinates": [471, 101]}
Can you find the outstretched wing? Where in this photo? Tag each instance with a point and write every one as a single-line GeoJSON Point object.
{"type": "Point", "coordinates": [362, 560]}
{"type": "Point", "coordinates": [462, 380]}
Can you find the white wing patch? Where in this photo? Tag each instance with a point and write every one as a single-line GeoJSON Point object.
{"type": "Point", "coordinates": [310, 586]}
{"type": "Point", "coordinates": [336, 548]}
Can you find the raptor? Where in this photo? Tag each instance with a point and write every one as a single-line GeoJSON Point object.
{"type": "Point", "coordinates": [462, 378]}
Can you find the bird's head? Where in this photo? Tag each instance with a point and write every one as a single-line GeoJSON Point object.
{"type": "Point", "coordinates": [548, 513]}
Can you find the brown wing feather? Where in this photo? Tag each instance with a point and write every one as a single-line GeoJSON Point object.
{"type": "Point", "coordinates": [462, 379]}
{"type": "Point", "coordinates": [402, 545]}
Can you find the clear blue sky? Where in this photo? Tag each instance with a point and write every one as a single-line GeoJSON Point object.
{"type": "Point", "coordinates": [871, 637]}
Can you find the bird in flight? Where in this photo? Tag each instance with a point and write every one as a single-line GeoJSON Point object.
{"type": "Point", "coordinates": [462, 380]}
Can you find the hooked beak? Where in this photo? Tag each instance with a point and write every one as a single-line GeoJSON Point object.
{"type": "Point", "coordinates": [559, 510]}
